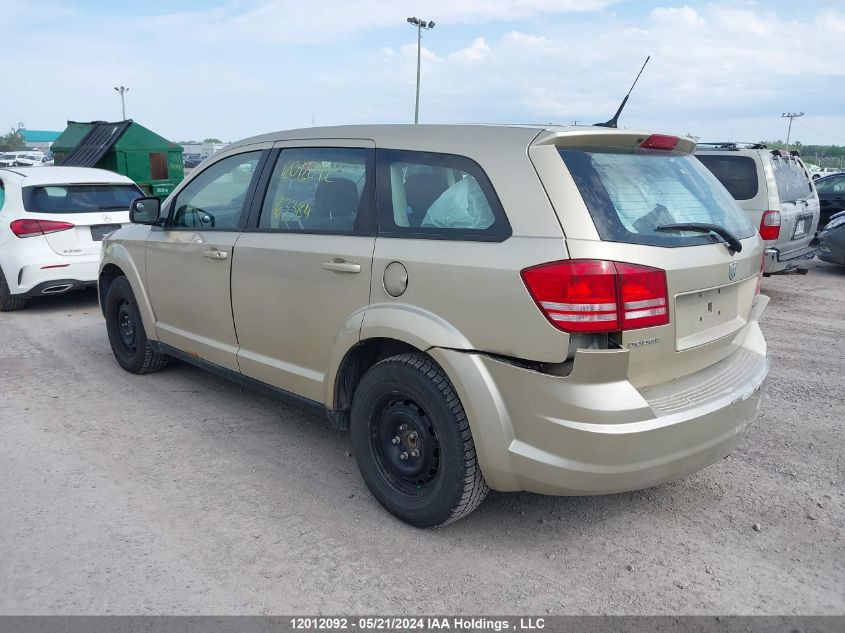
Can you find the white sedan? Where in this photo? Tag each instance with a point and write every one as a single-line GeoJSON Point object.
{"type": "Point", "coordinates": [52, 221]}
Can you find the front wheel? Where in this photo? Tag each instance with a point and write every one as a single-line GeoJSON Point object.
{"type": "Point", "coordinates": [127, 337]}
{"type": "Point", "coordinates": [413, 443]}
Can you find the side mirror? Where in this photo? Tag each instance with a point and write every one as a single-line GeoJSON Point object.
{"type": "Point", "coordinates": [145, 210]}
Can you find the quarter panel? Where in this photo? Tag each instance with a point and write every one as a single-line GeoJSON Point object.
{"type": "Point", "coordinates": [466, 295]}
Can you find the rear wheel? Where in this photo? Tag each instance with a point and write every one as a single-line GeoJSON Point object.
{"type": "Point", "coordinates": [127, 337]}
{"type": "Point", "coordinates": [413, 443]}
{"type": "Point", "coordinates": [8, 301]}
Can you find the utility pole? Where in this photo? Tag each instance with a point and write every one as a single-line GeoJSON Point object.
{"type": "Point", "coordinates": [790, 116]}
{"type": "Point", "coordinates": [122, 90]}
{"type": "Point", "coordinates": [420, 24]}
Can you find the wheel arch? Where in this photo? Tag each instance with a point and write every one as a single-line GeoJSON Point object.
{"type": "Point", "coordinates": [383, 330]}
{"type": "Point", "coordinates": [118, 262]}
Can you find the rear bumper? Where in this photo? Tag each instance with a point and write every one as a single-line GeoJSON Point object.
{"type": "Point", "coordinates": [32, 273]}
{"type": "Point", "coordinates": [58, 286]}
{"type": "Point", "coordinates": [776, 261]}
{"type": "Point", "coordinates": [593, 432]}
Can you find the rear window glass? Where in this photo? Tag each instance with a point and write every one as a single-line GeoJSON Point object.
{"type": "Point", "coordinates": [2, 195]}
{"type": "Point", "coordinates": [792, 181]}
{"type": "Point", "coordinates": [630, 194]}
{"type": "Point", "coordinates": [79, 198]}
{"type": "Point", "coordinates": [737, 173]}
{"type": "Point", "coordinates": [426, 194]}
{"type": "Point", "coordinates": [828, 185]}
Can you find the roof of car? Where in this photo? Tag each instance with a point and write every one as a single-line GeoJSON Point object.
{"type": "Point", "coordinates": [34, 176]}
{"type": "Point", "coordinates": [442, 136]}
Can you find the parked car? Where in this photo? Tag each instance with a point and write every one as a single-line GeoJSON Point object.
{"type": "Point", "coordinates": [832, 247]}
{"type": "Point", "coordinates": [552, 309]}
{"type": "Point", "coordinates": [32, 160]}
{"type": "Point", "coordinates": [823, 172]}
{"type": "Point", "coordinates": [191, 160]}
{"type": "Point", "coordinates": [775, 190]}
{"type": "Point", "coordinates": [10, 159]}
{"type": "Point", "coordinates": [831, 191]}
{"type": "Point", "coordinates": [52, 220]}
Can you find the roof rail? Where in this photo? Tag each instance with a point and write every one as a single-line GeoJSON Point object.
{"type": "Point", "coordinates": [734, 145]}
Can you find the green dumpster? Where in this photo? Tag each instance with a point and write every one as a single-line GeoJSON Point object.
{"type": "Point", "coordinates": [125, 147]}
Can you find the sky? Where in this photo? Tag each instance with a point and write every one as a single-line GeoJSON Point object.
{"type": "Point", "coordinates": [719, 70]}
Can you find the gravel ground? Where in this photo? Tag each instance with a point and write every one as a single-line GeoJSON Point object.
{"type": "Point", "coordinates": [179, 492]}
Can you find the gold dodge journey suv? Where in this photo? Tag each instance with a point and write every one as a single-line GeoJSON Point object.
{"type": "Point", "coordinates": [562, 310]}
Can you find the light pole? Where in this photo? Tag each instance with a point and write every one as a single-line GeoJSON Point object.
{"type": "Point", "coordinates": [122, 90]}
{"type": "Point", "coordinates": [790, 116]}
{"type": "Point", "coordinates": [420, 24]}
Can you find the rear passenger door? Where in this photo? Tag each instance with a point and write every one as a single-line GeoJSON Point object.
{"type": "Point", "coordinates": [301, 271]}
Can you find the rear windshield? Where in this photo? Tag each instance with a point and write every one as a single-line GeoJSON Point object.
{"type": "Point", "coordinates": [792, 180]}
{"type": "Point", "coordinates": [629, 194]}
{"type": "Point", "coordinates": [737, 173]}
{"type": "Point", "coordinates": [79, 198]}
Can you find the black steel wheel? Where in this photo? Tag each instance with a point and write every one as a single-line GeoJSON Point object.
{"type": "Point", "coordinates": [404, 444]}
{"type": "Point", "coordinates": [413, 444]}
{"type": "Point", "coordinates": [127, 338]}
{"type": "Point", "coordinates": [126, 325]}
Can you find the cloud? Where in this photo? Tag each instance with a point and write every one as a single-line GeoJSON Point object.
{"type": "Point", "coordinates": [289, 21]}
{"type": "Point", "coordinates": [247, 67]}
{"type": "Point", "coordinates": [683, 17]}
{"type": "Point", "coordinates": [472, 54]}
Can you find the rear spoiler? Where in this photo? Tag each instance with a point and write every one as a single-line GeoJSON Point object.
{"type": "Point", "coordinates": [732, 145]}
{"type": "Point", "coordinates": [597, 137]}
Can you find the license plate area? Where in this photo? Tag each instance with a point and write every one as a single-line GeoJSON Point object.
{"type": "Point", "coordinates": [707, 315]}
{"type": "Point", "coordinates": [802, 226]}
{"type": "Point", "coordinates": [99, 231]}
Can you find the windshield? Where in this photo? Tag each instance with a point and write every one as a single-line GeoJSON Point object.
{"type": "Point", "coordinates": [79, 198]}
{"type": "Point", "coordinates": [831, 184]}
{"type": "Point", "coordinates": [630, 194]}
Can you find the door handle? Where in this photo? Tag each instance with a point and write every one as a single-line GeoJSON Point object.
{"type": "Point", "coordinates": [342, 266]}
{"type": "Point", "coordinates": [215, 254]}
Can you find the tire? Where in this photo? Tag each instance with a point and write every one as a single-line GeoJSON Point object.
{"type": "Point", "coordinates": [409, 398]}
{"type": "Point", "coordinates": [127, 337]}
{"type": "Point", "coordinates": [8, 301]}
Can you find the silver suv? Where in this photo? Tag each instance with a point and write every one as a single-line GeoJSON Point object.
{"type": "Point", "coordinates": [558, 310]}
{"type": "Point", "coordinates": [775, 190]}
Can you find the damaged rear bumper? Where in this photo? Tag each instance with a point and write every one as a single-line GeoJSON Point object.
{"type": "Point", "coordinates": [593, 432]}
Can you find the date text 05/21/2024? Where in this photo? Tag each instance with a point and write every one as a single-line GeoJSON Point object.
{"type": "Point", "coordinates": [417, 623]}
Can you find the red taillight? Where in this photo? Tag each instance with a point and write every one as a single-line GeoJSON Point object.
{"type": "Point", "coordinates": [660, 141]}
{"type": "Point", "coordinates": [599, 296]}
{"type": "Point", "coordinates": [31, 228]}
{"type": "Point", "coordinates": [643, 296]}
{"type": "Point", "coordinates": [770, 225]}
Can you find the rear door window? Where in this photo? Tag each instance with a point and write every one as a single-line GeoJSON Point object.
{"type": "Point", "coordinates": [79, 198]}
{"type": "Point", "coordinates": [792, 180]}
{"type": "Point", "coordinates": [630, 194]}
{"type": "Point", "coordinates": [738, 174]}
{"type": "Point", "coordinates": [318, 190]}
{"type": "Point", "coordinates": [425, 194]}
